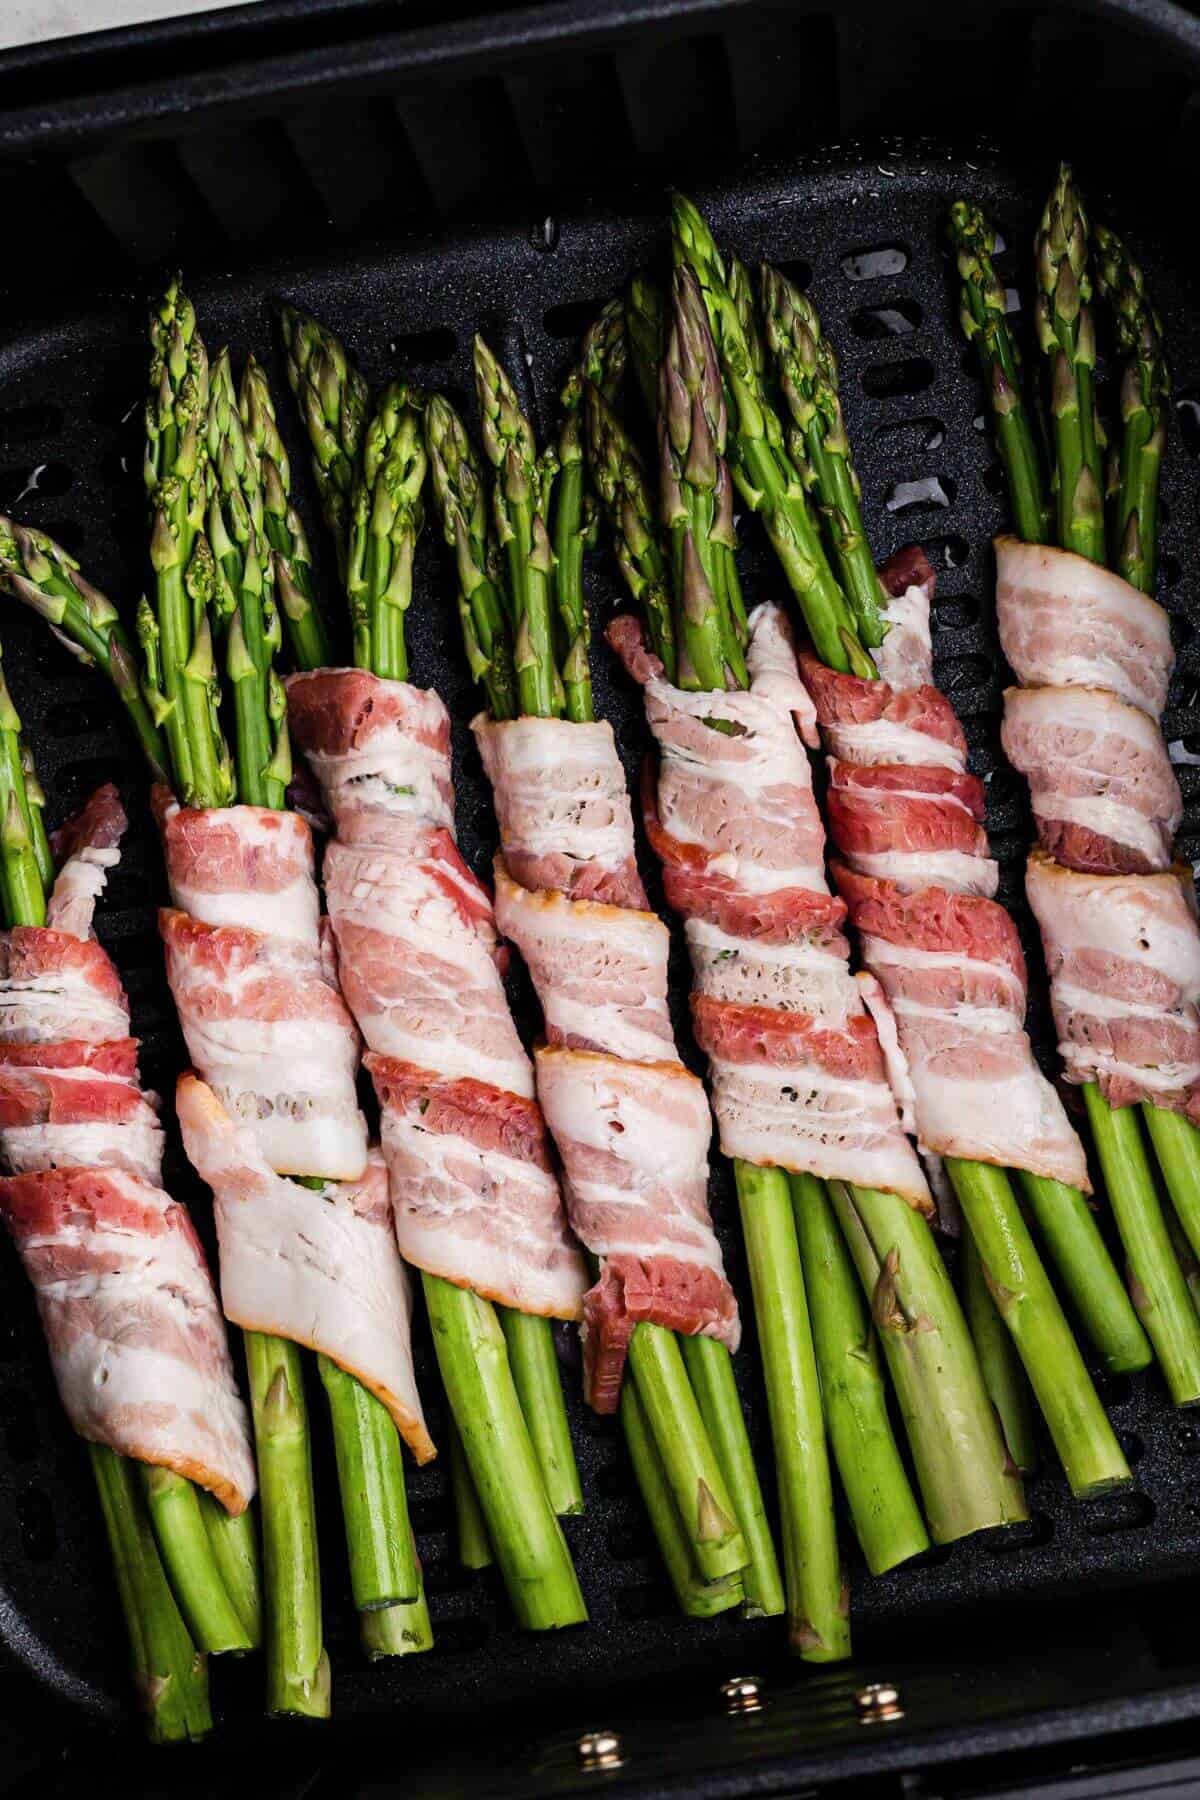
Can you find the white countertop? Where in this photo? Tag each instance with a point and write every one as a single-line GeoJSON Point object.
{"type": "Point", "coordinates": [34, 21]}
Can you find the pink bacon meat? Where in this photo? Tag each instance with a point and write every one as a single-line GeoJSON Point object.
{"type": "Point", "coordinates": [1118, 921]}
{"type": "Point", "coordinates": [798, 1076]}
{"type": "Point", "coordinates": [135, 1333]}
{"type": "Point", "coordinates": [317, 1268]}
{"type": "Point", "coordinates": [256, 992]}
{"type": "Point", "coordinates": [631, 1124]}
{"type": "Point", "coordinates": [473, 1196]}
{"type": "Point", "coordinates": [915, 872]}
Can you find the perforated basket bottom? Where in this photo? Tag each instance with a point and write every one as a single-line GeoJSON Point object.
{"type": "Point", "coordinates": [865, 236]}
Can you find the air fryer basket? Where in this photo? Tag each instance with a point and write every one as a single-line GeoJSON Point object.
{"type": "Point", "coordinates": [507, 172]}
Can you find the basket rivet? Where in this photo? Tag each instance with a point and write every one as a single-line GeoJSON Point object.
{"type": "Point", "coordinates": [878, 1703]}
{"type": "Point", "coordinates": [742, 1694]}
{"type": "Point", "coordinates": [600, 1750]}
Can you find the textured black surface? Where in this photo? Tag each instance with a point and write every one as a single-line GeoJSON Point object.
{"type": "Point", "coordinates": [70, 395]}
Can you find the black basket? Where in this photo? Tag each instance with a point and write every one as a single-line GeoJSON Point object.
{"type": "Point", "coordinates": [409, 178]}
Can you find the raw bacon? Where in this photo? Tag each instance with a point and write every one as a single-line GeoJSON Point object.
{"type": "Point", "coordinates": [417, 952]}
{"type": "Point", "coordinates": [1067, 622]}
{"type": "Point", "coordinates": [1118, 921]}
{"type": "Point", "coordinates": [261, 1012]}
{"type": "Point", "coordinates": [135, 1333]}
{"type": "Point", "coordinates": [318, 1267]}
{"type": "Point", "coordinates": [631, 1124]}
{"type": "Point", "coordinates": [1124, 959]}
{"type": "Point", "coordinates": [1104, 793]}
{"type": "Point", "coordinates": [797, 1074]}
{"type": "Point", "coordinates": [914, 869]}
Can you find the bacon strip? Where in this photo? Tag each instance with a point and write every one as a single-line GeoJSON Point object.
{"type": "Point", "coordinates": [632, 1126]}
{"type": "Point", "coordinates": [317, 1267]}
{"type": "Point", "coordinates": [131, 1318]}
{"type": "Point", "coordinates": [797, 1073]}
{"type": "Point", "coordinates": [915, 872]}
{"type": "Point", "coordinates": [1118, 921]}
{"type": "Point", "coordinates": [417, 950]}
{"type": "Point", "coordinates": [261, 1012]}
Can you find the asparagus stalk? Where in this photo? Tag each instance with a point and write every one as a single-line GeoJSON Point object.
{"type": "Point", "coordinates": [1145, 396]}
{"type": "Point", "coordinates": [767, 477]}
{"type": "Point", "coordinates": [645, 331]}
{"type": "Point", "coordinates": [401, 1629]}
{"type": "Point", "coordinates": [333, 399]}
{"type": "Point", "coordinates": [818, 1618]}
{"type": "Point", "coordinates": [386, 518]}
{"type": "Point", "coordinates": [985, 324]}
{"type": "Point", "coordinates": [462, 509]}
{"type": "Point", "coordinates": [807, 370]}
{"type": "Point", "coordinates": [208, 1606]}
{"type": "Point", "coordinates": [170, 1675]}
{"type": "Point", "coordinates": [244, 599]}
{"type": "Point", "coordinates": [34, 803]}
{"type": "Point", "coordinates": [999, 1363]}
{"type": "Point", "coordinates": [383, 1558]}
{"type": "Point", "coordinates": [1068, 1226]}
{"type": "Point", "coordinates": [1086, 1443]}
{"type": "Point", "coordinates": [524, 1532]}
{"type": "Point", "coordinates": [1067, 337]}
{"type": "Point", "coordinates": [966, 1478]}
{"type": "Point", "coordinates": [620, 480]}
{"type": "Point", "coordinates": [39, 572]}
{"type": "Point", "coordinates": [282, 523]}
{"type": "Point", "coordinates": [710, 1369]}
{"type": "Point", "coordinates": [520, 498]}
{"type": "Point", "coordinates": [1160, 1292]}
{"type": "Point", "coordinates": [534, 1366]}
{"type": "Point", "coordinates": [177, 474]}
{"type": "Point", "coordinates": [574, 527]}
{"type": "Point", "coordinates": [234, 1543]}
{"type": "Point", "coordinates": [697, 494]}
{"type": "Point", "coordinates": [298, 1676]}
{"type": "Point", "coordinates": [474, 1549]}
{"type": "Point", "coordinates": [697, 1599]}
{"type": "Point", "coordinates": [887, 1519]}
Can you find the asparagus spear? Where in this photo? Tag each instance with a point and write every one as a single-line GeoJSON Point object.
{"type": "Point", "coordinates": [36, 570]}
{"type": "Point", "coordinates": [282, 523]}
{"type": "Point", "coordinates": [886, 1517]}
{"type": "Point", "coordinates": [170, 1675]}
{"type": "Point", "coordinates": [1091, 1457]}
{"type": "Point", "coordinates": [1145, 396]}
{"type": "Point", "coordinates": [767, 477]}
{"type": "Point", "coordinates": [807, 370]}
{"type": "Point", "coordinates": [998, 1360]}
{"type": "Point", "coordinates": [620, 480]}
{"type": "Point", "coordinates": [645, 330]}
{"type": "Point", "coordinates": [176, 472]}
{"type": "Point", "coordinates": [697, 494]}
{"type": "Point", "coordinates": [386, 518]}
{"type": "Point", "coordinates": [520, 496]}
{"type": "Point", "coordinates": [966, 1478]}
{"type": "Point", "coordinates": [462, 508]}
{"type": "Point", "coordinates": [333, 398]}
{"type": "Point", "coordinates": [985, 324]}
{"type": "Point", "coordinates": [1067, 337]}
{"type": "Point", "coordinates": [818, 1617]}
{"type": "Point", "coordinates": [244, 599]}
{"type": "Point", "coordinates": [698, 1599]}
